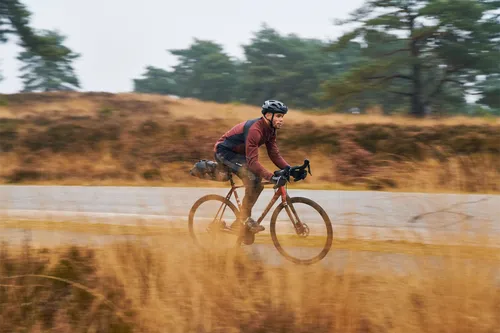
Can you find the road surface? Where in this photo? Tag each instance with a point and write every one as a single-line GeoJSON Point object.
{"type": "Point", "coordinates": [381, 215]}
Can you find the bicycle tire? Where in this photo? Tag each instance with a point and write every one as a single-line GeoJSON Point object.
{"type": "Point", "coordinates": [326, 220]}
{"type": "Point", "coordinates": [198, 203]}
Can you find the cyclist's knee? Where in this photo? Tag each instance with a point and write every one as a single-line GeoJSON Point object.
{"type": "Point", "coordinates": [255, 182]}
{"type": "Point", "coordinates": [258, 186]}
{"type": "Point", "coordinates": [253, 177]}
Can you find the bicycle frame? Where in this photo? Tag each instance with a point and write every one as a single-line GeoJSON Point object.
{"type": "Point", "coordinates": [244, 231]}
{"type": "Point", "coordinates": [280, 192]}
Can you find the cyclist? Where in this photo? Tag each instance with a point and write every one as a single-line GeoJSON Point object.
{"type": "Point", "coordinates": [238, 149]}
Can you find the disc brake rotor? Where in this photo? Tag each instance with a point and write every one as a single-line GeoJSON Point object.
{"type": "Point", "coordinates": [303, 230]}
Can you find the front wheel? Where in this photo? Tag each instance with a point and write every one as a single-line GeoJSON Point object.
{"type": "Point", "coordinates": [301, 231]}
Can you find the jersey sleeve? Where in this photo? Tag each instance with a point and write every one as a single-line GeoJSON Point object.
{"type": "Point", "coordinates": [252, 153]}
{"type": "Point", "coordinates": [274, 153]}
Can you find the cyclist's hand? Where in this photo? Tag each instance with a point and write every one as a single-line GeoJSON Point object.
{"type": "Point", "coordinates": [278, 181]}
{"type": "Point", "coordinates": [279, 173]}
{"type": "Point", "coordinates": [283, 172]}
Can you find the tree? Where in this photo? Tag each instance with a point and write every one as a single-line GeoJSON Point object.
{"type": "Point", "coordinates": [490, 88]}
{"type": "Point", "coordinates": [205, 72]}
{"type": "Point", "coordinates": [38, 47]}
{"type": "Point", "coordinates": [356, 54]}
{"type": "Point", "coordinates": [14, 20]}
{"type": "Point", "coordinates": [156, 81]}
{"type": "Point", "coordinates": [53, 71]}
{"type": "Point", "coordinates": [436, 46]}
{"type": "Point", "coordinates": [289, 68]}
{"type": "Point", "coordinates": [284, 67]}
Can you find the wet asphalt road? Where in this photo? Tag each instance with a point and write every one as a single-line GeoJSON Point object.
{"type": "Point", "coordinates": [365, 215]}
{"type": "Point", "coordinates": [383, 215]}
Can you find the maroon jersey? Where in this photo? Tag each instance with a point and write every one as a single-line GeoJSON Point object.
{"type": "Point", "coordinates": [245, 138]}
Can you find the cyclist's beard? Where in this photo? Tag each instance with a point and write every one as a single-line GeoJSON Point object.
{"type": "Point", "coordinates": [274, 123]}
{"type": "Point", "coordinates": [277, 124]}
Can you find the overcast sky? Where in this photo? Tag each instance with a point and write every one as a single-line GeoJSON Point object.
{"type": "Point", "coordinates": [118, 38]}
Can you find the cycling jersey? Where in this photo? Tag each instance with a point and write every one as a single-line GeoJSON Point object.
{"type": "Point", "coordinates": [246, 137]}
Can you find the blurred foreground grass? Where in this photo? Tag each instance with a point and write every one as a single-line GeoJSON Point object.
{"type": "Point", "coordinates": [479, 248]}
{"type": "Point", "coordinates": [164, 284]}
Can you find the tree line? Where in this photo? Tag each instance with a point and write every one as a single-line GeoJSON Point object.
{"type": "Point", "coordinates": [415, 56]}
{"type": "Point", "coordinates": [47, 63]}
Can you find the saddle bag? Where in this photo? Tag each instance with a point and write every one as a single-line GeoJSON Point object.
{"type": "Point", "coordinates": [210, 170]}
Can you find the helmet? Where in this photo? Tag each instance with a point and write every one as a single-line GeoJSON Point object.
{"type": "Point", "coordinates": [274, 106]}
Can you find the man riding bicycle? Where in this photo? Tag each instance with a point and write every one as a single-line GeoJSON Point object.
{"type": "Point", "coordinates": [238, 149]}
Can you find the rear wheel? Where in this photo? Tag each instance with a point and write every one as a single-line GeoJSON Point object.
{"type": "Point", "coordinates": [301, 231]}
{"type": "Point", "coordinates": [209, 221]}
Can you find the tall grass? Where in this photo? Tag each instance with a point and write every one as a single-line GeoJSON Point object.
{"type": "Point", "coordinates": [135, 139]}
{"type": "Point", "coordinates": [166, 285]}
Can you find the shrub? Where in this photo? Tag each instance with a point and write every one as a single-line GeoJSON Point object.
{"type": "Point", "coordinates": [20, 175]}
{"type": "Point", "coordinates": [60, 298]}
{"type": "Point", "coordinates": [4, 101]}
{"type": "Point", "coordinates": [149, 127]}
{"type": "Point", "coordinates": [105, 112]}
{"type": "Point", "coordinates": [152, 174]}
{"type": "Point", "coordinates": [353, 163]}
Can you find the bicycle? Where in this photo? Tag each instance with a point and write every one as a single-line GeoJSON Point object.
{"type": "Point", "coordinates": [302, 230]}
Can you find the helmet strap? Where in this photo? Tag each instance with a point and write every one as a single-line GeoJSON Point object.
{"type": "Point", "coordinates": [272, 119]}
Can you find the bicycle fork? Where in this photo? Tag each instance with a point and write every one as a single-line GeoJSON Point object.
{"type": "Point", "coordinates": [300, 228]}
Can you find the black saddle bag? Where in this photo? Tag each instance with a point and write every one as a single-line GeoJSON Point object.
{"type": "Point", "coordinates": [210, 170]}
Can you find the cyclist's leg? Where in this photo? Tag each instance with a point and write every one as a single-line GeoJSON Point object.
{"type": "Point", "coordinates": [253, 189]}
{"type": "Point", "coordinates": [253, 183]}
{"type": "Point", "coordinates": [230, 159]}
{"type": "Point", "coordinates": [235, 163]}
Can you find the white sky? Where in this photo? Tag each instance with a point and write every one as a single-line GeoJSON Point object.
{"type": "Point", "coordinates": [119, 38]}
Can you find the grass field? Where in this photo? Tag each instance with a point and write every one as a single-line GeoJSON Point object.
{"type": "Point", "coordinates": [134, 139]}
{"type": "Point", "coordinates": [166, 284]}
{"type": "Point", "coordinates": [157, 281]}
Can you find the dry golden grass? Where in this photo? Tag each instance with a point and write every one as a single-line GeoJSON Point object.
{"type": "Point", "coordinates": [94, 156]}
{"type": "Point", "coordinates": [220, 293]}
{"type": "Point", "coordinates": [166, 285]}
{"type": "Point", "coordinates": [458, 174]}
{"type": "Point", "coordinates": [480, 246]}
{"type": "Point", "coordinates": [479, 173]}
{"type": "Point", "coordinates": [208, 110]}
{"type": "Point", "coordinates": [86, 104]}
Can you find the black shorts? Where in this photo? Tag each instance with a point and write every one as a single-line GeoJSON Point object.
{"type": "Point", "coordinates": [236, 162]}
